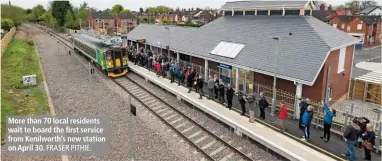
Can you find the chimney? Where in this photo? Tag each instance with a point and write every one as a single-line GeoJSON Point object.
{"type": "Point", "coordinates": [322, 7]}
{"type": "Point", "coordinates": [330, 8]}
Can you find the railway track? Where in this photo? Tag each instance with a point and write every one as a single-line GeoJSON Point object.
{"type": "Point", "coordinates": [211, 146]}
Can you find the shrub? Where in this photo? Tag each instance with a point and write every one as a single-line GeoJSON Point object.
{"type": "Point", "coordinates": [7, 24]}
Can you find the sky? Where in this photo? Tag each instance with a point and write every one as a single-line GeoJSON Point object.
{"type": "Point", "coordinates": [136, 4]}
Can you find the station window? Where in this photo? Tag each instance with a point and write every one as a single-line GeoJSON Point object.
{"type": "Point", "coordinates": [307, 13]}
{"type": "Point", "coordinates": [238, 13]}
{"type": "Point", "coordinates": [227, 13]}
{"type": "Point", "coordinates": [292, 12]}
{"type": "Point", "coordinates": [249, 12]}
{"type": "Point", "coordinates": [264, 12]}
{"type": "Point", "coordinates": [276, 12]}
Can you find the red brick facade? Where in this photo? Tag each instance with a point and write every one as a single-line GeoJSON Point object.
{"type": "Point", "coordinates": [351, 27]}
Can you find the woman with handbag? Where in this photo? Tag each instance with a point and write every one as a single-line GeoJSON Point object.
{"type": "Point", "coordinates": [369, 140]}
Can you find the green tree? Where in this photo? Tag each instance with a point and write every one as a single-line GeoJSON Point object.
{"type": "Point", "coordinates": [107, 10]}
{"type": "Point", "coordinates": [82, 16]}
{"type": "Point", "coordinates": [116, 9]}
{"type": "Point", "coordinates": [37, 11]}
{"type": "Point", "coordinates": [59, 10]}
{"type": "Point", "coordinates": [84, 6]}
{"type": "Point", "coordinates": [15, 13]}
{"type": "Point", "coordinates": [48, 19]}
{"type": "Point", "coordinates": [70, 21]}
{"type": "Point", "coordinates": [7, 24]}
{"type": "Point", "coordinates": [125, 11]}
{"type": "Point", "coordinates": [165, 20]}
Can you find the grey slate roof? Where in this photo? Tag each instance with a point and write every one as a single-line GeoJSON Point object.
{"type": "Point", "coordinates": [102, 15]}
{"type": "Point", "coordinates": [368, 10]}
{"type": "Point", "coordinates": [264, 4]}
{"type": "Point", "coordinates": [300, 57]}
{"type": "Point", "coordinates": [157, 33]}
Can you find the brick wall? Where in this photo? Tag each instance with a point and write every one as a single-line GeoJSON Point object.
{"type": "Point", "coordinates": [6, 39]}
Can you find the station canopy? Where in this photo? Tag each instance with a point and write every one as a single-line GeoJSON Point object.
{"type": "Point", "coordinates": [372, 77]}
{"type": "Point", "coordinates": [227, 49]}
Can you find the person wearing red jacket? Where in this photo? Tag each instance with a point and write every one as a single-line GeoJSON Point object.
{"type": "Point", "coordinates": [157, 67]}
{"type": "Point", "coordinates": [283, 115]}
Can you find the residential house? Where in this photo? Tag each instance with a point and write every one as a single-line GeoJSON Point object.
{"type": "Point", "coordinates": [101, 22]}
{"type": "Point", "coordinates": [322, 14]}
{"type": "Point", "coordinates": [125, 22]}
{"type": "Point", "coordinates": [371, 11]}
{"type": "Point", "coordinates": [366, 28]}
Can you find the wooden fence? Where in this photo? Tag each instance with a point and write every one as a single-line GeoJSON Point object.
{"type": "Point", "coordinates": [365, 91]}
{"type": "Point", "coordinates": [8, 37]}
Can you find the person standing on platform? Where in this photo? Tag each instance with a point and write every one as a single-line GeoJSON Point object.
{"type": "Point", "coordinates": [210, 86]}
{"type": "Point", "coordinates": [328, 119]}
{"type": "Point", "coordinates": [179, 75]}
{"type": "Point", "coordinates": [350, 136]}
{"type": "Point", "coordinates": [216, 87]}
{"type": "Point", "coordinates": [150, 63]}
{"type": "Point", "coordinates": [362, 122]}
{"type": "Point", "coordinates": [230, 92]}
{"type": "Point", "coordinates": [163, 69]}
{"type": "Point", "coordinates": [190, 80]}
{"type": "Point", "coordinates": [240, 97]}
{"type": "Point", "coordinates": [263, 103]}
{"type": "Point", "coordinates": [200, 86]}
{"type": "Point", "coordinates": [306, 122]}
{"type": "Point", "coordinates": [158, 68]}
{"type": "Point", "coordinates": [251, 106]}
{"type": "Point", "coordinates": [369, 139]}
{"type": "Point", "coordinates": [186, 74]}
{"type": "Point", "coordinates": [303, 106]}
{"type": "Point", "coordinates": [172, 73]}
{"type": "Point", "coordinates": [221, 92]}
{"type": "Point", "coordinates": [283, 115]}
{"type": "Point", "coordinates": [196, 82]}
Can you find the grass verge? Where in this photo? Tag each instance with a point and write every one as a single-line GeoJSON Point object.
{"type": "Point", "coordinates": [20, 59]}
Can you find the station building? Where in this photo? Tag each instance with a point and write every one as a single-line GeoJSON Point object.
{"type": "Point", "coordinates": [255, 40]}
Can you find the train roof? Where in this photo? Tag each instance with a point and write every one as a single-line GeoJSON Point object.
{"type": "Point", "coordinates": [94, 42]}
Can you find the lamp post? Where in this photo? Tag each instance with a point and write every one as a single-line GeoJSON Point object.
{"type": "Point", "coordinates": [168, 36]}
{"type": "Point", "coordinates": [274, 91]}
{"type": "Point", "coordinates": [274, 78]}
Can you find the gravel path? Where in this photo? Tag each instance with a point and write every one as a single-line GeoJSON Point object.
{"type": "Point", "coordinates": [252, 150]}
{"type": "Point", "coordinates": [72, 94]}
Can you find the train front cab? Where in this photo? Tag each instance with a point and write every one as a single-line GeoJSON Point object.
{"type": "Point", "coordinates": [116, 62]}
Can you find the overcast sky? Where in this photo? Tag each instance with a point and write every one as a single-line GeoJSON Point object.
{"type": "Point", "coordinates": [136, 4]}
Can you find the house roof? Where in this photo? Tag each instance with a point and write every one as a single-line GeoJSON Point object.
{"type": "Point", "coordinates": [157, 33]}
{"type": "Point", "coordinates": [367, 19]}
{"type": "Point", "coordinates": [102, 15]}
{"type": "Point", "coordinates": [368, 10]}
{"type": "Point", "coordinates": [321, 15]}
{"type": "Point", "coordinates": [126, 16]}
{"type": "Point", "coordinates": [264, 4]}
{"type": "Point", "coordinates": [312, 41]}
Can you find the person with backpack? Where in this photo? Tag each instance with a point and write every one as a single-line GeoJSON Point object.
{"type": "Point", "coordinates": [240, 97]}
{"type": "Point", "coordinates": [263, 103]}
{"type": "Point", "coordinates": [283, 115]}
{"type": "Point", "coordinates": [306, 122]}
{"type": "Point", "coordinates": [362, 122]}
{"type": "Point", "coordinates": [190, 80]}
{"type": "Point", "coordinates": [303, 106]}
{"type": "Point", "coordinates": [328, 119]}
{"type": "Point", "coordinates": [196, 82]}
{"type": "Point", "coordinates": [230, 92]}
{"type": "Point", "coordinates": [150, 63]}
{"type": "Point", "coordinates": [350, 136]}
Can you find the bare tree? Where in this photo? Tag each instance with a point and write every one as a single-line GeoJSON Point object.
{"type": "Point", "coordinates": [366, 4]}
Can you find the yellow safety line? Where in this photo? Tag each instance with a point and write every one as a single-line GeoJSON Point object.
{"type": "Point", "coordinates": [335, 156]}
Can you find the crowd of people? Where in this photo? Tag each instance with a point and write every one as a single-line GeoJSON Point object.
{"type": "Point", "coordinates": [360, 134]}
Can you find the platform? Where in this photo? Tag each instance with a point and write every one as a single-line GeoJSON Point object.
{"type": "Point", "coordinates": [275, 141]}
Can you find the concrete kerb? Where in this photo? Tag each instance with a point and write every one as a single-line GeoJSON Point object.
{"type": "Point", "coordinates": [47, 93]}
{"type": "Point", "coordinates": [237, 128]}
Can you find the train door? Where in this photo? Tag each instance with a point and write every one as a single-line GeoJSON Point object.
{"type": "Point", "coordinates": [117, 56]}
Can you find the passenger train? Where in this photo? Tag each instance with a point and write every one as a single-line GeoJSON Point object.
{"type": "Point", "coordinates": [109, 55]}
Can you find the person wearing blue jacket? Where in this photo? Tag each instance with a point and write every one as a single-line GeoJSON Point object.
{"type": "Point", "coordinates": [328, 119]}
{"type": "Point", "coordinates": [306, 122]}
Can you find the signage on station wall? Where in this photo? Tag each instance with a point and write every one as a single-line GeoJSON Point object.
{"type": "Point", "coordinates": [224, 66]}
